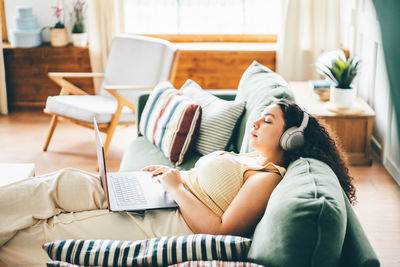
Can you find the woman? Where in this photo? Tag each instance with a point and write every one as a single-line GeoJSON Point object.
{"type": "Point", "coordinates": [260, 176]}
{"type": "Point", "coordinates": [224, 193]}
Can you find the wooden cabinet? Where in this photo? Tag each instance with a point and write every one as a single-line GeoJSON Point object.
{"type": "Point", "coordinates": [26, 72]}
{"type": "Point", "coordinates": [353, 127]}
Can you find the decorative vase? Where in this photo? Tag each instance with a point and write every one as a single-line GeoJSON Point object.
{"type": "Point", "coordinates": [58, 37]}
{"type": "Point", "coordinates": [343, 98]}
{"type": "Point", "coordinates": [79, 39]}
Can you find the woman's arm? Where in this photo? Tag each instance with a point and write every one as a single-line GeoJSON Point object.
{"type": "Point", "coordinates": [242, 215]}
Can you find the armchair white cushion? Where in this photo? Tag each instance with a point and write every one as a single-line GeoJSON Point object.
{"type": "Point", "coordinates": [86, 107]}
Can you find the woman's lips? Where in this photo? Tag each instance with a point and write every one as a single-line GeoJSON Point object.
{"type": "Point", "coordinates": [253, 134]}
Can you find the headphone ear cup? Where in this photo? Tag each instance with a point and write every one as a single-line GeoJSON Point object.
{"type": "Point", "coordinates": [285, 138]}
{"type": "Point", "coordinates": [293, 137]}
{"type": "Point", "coordinates": [295, 140]}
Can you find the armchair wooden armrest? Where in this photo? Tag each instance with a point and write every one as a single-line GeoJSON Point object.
{"type": "Point", "coordinates": [67, 88]}
{"type": "Point", "coordinates": [122, 101]}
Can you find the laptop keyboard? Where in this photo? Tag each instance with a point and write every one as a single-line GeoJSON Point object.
{"type": "Point", "coordinates": [127, 190]}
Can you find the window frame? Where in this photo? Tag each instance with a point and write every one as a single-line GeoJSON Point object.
{"type": "Point", "coordinates": [223, 38]}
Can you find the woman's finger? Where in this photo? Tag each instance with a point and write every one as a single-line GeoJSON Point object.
{"type": "Point", "coordinates": [160, 170]}
{"type": "Point", "coordinates": [150, 168]}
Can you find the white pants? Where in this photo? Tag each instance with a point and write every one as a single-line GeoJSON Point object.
{"type": "Point", "coordinates": [69, 204]}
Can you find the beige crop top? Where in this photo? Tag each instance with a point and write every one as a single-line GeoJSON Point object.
{"type": "Point", "coordinates": [217, 177]}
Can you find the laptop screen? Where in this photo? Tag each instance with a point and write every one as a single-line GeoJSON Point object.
{"type": "Point", "coordinates": [101, 159]}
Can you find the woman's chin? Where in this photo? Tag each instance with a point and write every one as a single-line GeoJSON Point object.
{"type": "Point", "coordinates": [252, 143]}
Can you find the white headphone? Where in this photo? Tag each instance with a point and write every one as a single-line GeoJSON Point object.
{"type": "Point", "coordinates": [293, 137]}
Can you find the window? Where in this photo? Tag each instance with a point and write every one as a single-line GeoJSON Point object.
{"type": "Point", "coordinates": [203, 17]}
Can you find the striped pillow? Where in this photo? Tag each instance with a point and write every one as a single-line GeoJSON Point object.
{"type": "Point", "coordinates": [216, 264]}
{"type": "Point", "coordinates": [160, 251]}
{"type": "Point", "coordinates": [170, 121]}
{"type": "Point", "coordinates": [218, 119]}
{"type": "Point", "coordinates": [60, 264]}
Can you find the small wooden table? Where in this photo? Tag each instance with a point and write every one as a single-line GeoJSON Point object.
{"type": "Point", "coordinates": [353, 127]}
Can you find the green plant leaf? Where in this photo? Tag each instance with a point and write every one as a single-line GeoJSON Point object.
{"type": "Point", "coordinates": [340, 63]}
{"type": "Point", "coordinates": [59, 25]}
{"type": "Point", "coordinates": [79, 27]}
{"type": "Point", "coordinates": [342, 72]}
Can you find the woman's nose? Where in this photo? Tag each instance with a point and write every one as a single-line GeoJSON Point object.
{"type": "Point", "coordinates": [255, 124]}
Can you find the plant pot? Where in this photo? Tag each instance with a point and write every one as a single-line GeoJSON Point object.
{"type": "Point", "coordinates": [343, 98]}
{"type": "Point", "coordinates": [79, 39]}
{"type": "Point", "coordinates": [58, 37]}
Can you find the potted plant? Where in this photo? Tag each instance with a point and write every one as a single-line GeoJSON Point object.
{"type": "Point", "coordinates": [79, 35]}
{"type": "Point", "coordinates": [342, 73]}
{"type": "Point", "coordinates": [58, 33]}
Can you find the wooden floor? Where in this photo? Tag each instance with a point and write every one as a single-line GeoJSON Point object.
{"type": "Point", "coordinates": [23, 133]}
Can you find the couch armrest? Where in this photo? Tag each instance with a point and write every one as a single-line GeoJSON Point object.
{"type": "Point", "coordinates": [142, 99]}
{"type": "Point", "coordinates": [225, 94]}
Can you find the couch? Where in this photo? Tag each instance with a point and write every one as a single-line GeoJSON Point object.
{"type": "Point", "coordinates": [308, 221]}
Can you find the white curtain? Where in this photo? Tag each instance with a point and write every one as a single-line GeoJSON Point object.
{"type": "Point", "coordinates": [105, 21]}
{"type": "Point", "coordinates": [3, 91]}
{"type": "Point", "coordinates": [309, 28]}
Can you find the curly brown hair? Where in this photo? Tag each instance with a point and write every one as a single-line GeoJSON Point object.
{"type": "Point", "coordinates": [318, 144]}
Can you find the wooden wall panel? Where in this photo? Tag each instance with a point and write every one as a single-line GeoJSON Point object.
{"type": "Point", "coordinates": [26, 73]}
{"type": "Point", "coordinates": [28, 84]}
{"type": "Point", "coordinates": [218, 69]}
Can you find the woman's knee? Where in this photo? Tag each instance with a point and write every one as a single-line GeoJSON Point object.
{"type": "Point", "coordinates": [76, 190]}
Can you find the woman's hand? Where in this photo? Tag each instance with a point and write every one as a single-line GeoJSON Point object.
{"type": "Point", "coordinates": [156, 169]}
{"type": "Point", "coordinates": [171, 180]}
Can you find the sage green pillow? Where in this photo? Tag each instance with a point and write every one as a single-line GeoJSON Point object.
{"type": "Point", "coordinates": [257, 87]}
{"type": "Point", "coordinates": [305, 221]}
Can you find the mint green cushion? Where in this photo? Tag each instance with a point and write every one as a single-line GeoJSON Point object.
{"type": "Point", "coordinates": [141, 153]}
{"type": "Point", "coordinates": [258, 85]}
{"type": "Point", "coordinates": [305, 220]}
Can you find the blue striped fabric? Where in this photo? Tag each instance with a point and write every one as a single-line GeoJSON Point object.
{"type": "Point", "coordinates": [152, 104]}
{"type": "Point", "coordinates": [167, 121]}
{"type": "Point", "coordinates": [216, 264]}
{"type": "Point", "coordinates": [60, 264]}
{"type": "Point", "coordinates": [161, 251]}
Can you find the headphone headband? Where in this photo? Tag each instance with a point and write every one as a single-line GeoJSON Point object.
{"type": "Point", "coordinates": [304, 123]}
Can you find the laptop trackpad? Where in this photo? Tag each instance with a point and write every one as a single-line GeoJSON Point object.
{"type": "Point", "coordinates": [156, 194]}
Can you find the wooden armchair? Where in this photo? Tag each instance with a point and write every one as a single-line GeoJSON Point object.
{"type": "Point", "coordinates": [134, 63]}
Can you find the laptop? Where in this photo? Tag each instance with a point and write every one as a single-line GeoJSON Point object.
{"type": "Point", "coordinates": [130, 191]}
